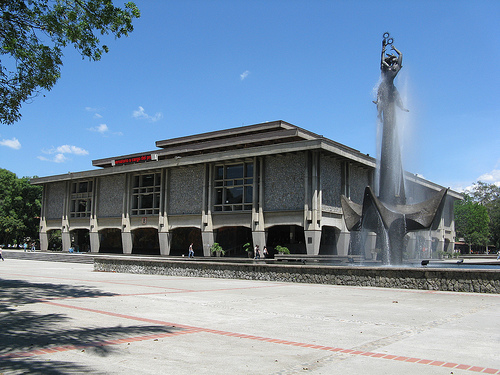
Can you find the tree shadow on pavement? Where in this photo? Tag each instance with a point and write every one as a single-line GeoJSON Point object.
{"type": "Point", "coordinates": [23, 331]}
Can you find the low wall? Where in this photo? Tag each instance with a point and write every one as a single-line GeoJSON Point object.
{"type": "Point", "coordinates": [458, 280]}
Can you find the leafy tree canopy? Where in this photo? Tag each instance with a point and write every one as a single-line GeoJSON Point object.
{"type": "Point", "coordinates": [20, 205]}
{"type": "Point", "coordinates": [488, 195]}
{"type": "Point", "coordinates": [472, 221]}
{"type": "Point", "coordinates": [33, 34]}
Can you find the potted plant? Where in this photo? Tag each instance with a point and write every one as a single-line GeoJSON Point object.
{"type": "Point", "coordinates": [248, 248]}
{"type": "Point", "coordinates": [282, 250]}
{"type": "Point", "coordinates": [217, 250]}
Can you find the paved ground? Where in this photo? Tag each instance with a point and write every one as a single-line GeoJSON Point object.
{"type": "Point", "coordinates": [60, 318]}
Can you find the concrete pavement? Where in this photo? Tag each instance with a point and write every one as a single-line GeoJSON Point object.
{"type": "Point", "coordinates": [61, 318]}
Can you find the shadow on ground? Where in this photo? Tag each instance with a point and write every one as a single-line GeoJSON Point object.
{"type": "Point", "coordinates": [23, 331]}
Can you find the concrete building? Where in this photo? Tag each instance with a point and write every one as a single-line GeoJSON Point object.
{"type": "Point", "coordinates": [267, 184]}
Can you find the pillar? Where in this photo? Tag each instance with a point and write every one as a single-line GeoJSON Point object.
{"type": "Point", "coordinates": [44, 241]}
{"type": "Point", "coordinates": [94, 242]}
{"type": "Point", "coordinates": [259, 238]}
{"type": "Point", "coordinates": [208, 238]}
{"type": "Point", "coordinates": [66, 240]}
{"type": "Point", "coordinates": [343, 243]}
{"type": "Point", "coordinates": [127, 242]}
{"type": "Point", "coordinates": [165, 238]}
{"type": "Point", "coordinates": [313, 240]}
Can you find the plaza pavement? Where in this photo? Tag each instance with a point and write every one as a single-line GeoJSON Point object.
{"type": "Point", "coordinates": [62, 318]}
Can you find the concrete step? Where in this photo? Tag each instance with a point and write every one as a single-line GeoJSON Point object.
{"type": "Point", "coordinates": [48, 256]}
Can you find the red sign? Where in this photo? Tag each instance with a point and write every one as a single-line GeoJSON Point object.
{"type": "Point", "coordinates": [135, 159]}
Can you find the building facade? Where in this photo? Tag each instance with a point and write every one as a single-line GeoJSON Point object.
{"type": "Point", "coordinates": [267, 184]}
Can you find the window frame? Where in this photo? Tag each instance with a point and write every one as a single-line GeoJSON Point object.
{"type": "Point", "coordinates": [81, 197]}
{"type": "Point", "coordinates": [227, 181]}
{"type": "Point", "coordinates": [142, 191]}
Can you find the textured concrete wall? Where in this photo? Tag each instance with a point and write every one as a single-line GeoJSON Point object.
{"type": "Point", "coordinates": [186, 190]}
{"type": "Point", "coordinates": [331, 182]}
{"type": "Point", "coordinates": [55, 200]}
{"type": "Point", "coordinates": [284, 182]}
{"type": "Point", "coordinates": [358, 181]}
{"type": "Point", "coordinates": [464, 280]}
{"type": "Point", "coordinates": [110, 196]}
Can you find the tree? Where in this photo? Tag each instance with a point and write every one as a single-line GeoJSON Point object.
{"type": "Point", "coordinates": [488, 195]}
{"type": "Point", "coordinates": [20, 205]}
{"type": "Point", "coordinates": [472, 222]}
{"type": "Point", "coordinates": [33, 34]}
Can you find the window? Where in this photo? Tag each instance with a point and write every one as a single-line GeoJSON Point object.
{"type": "Point", "coordinates": [146, 192]}
{"type": "Point", "coordinates": [233, 187]}
{"type": "Point", "coordinates": [81, 199]}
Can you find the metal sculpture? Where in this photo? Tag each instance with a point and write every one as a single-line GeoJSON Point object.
{"type": "Point", "coordinates": [388, 211]}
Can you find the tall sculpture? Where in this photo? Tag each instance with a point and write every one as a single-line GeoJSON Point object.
{"type": "Point", "coordinates": [388, 214]}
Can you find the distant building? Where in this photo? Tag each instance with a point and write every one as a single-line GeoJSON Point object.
{"type": "Point", "coordinates": [267, 184]}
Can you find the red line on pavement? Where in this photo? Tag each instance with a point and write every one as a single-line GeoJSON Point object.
{"type": "Point", "coordinates": [65, 348]}
{"type": "Point", "coordinates": [192, 329]}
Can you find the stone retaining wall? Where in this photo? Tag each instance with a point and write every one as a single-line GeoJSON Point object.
{"type": "Point", "coordinates": [458, 280]}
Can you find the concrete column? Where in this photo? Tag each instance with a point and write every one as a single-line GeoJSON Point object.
{"type": "Point", "coordinates": [94, 242]}
{"type": "Point", "coordinates": [440, 245]}
{"type": "Point", "coordinates": [208, 238]}
{"type": "Point", "coordinates": [127, 242]}
{"type": "Point", "coordinates": [66, 240]}
{"type": "Point", "coordinates": [343, 243]}
{"type": "Point", "coordinates": [259, 238]}
{"type": "Point", "coordinates": [313, 240]}
{"type": "Point", "coordinates": [44, 241]}
{"type": "Point", "coordinates": [165, 238]}
{"type": "Point", "coordinates": [411, 248]}
{"type": "Point", "coordinates": [370, 244]}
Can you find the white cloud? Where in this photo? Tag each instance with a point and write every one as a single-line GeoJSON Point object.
{"type": "Point", "coordinates": [12, 143]}
{"type": "Point", "coordinates": [68, 149]}
{"type": "Point", "coordinates": [492, 177]}
{"type": "Point", "coordinates": [60, 153]}
{"type": "Point", "coordinates": [142, 115]}
{"type": "Point", "coordinates": [244, 74]}
{"type": "Point", "coordinates": [102, 128]}
{"type": "Point", "coordinates": [94, 111]}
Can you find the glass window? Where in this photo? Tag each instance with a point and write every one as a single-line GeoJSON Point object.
{"type": "Point", "coordinates": [233, 187]}
{"type": "Point", "coordinates": [234, 171]}
{"type": "Point", "coordinates": [81, 198]}
{"type": "Point", "coordinates": [146, 194]}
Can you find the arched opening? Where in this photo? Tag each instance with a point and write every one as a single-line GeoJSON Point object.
{"type": "Point", "coordinates": [110, 241]}
{"type": "Point", "coordinates": [232, 240]}
{"type": "Point", "coordinates": [80, 240]}
{"type": "Point", "coordinates": [182, 238]}
{"type": "Point", "coordinates": [289, 236]}
{"type": "Point", "coordinates": [145, 241]}
{"type": "Point", "coordinates": [55, 240]}
{"type": "Point", "coordinates": [329, 239]}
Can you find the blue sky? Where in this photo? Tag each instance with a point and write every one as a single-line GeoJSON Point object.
{"type": "Point", "coordinates": [196, 66]}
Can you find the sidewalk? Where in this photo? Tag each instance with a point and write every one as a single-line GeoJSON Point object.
{"type": "Point", "coordinates": [61, 318]}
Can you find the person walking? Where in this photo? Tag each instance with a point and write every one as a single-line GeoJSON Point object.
{"type": "Point", "coordinates": [191, 251]}
{"type": "Point", "coordinates": [1, 257]}
{"type": "Point", "coordinates": [257, 252]}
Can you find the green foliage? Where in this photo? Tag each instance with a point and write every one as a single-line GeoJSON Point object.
{"type": "Point", "coordinates": [472, 221]}
{"type": "Point", "coordinates": [282, 249]}
{"type": "Point", "coordinates": [247, 247]}
{"type": "Point", "coordinates": [20, 205]}
{"type": "Point", "coordinates": [33, 34]}
{"type": "Point", "coordinates": [217, 249]}
{"type": "Point", "coordinates": [488, 195]}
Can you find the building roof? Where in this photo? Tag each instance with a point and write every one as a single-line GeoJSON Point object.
{"type": "Point", "coordinates": [269, 138]}
{"type": "Point", "coordinates": [241, 138]}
